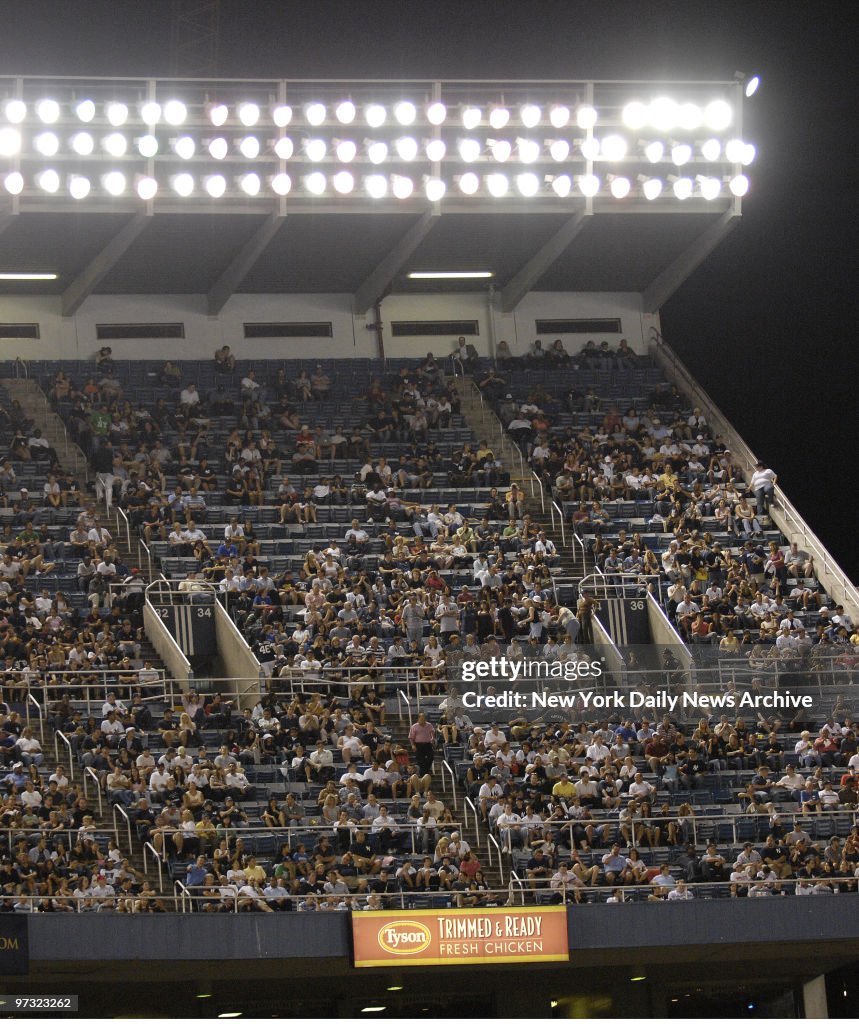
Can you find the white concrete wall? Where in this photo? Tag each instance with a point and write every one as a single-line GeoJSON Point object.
{"type": "Point", "coordinates": [75, 337]}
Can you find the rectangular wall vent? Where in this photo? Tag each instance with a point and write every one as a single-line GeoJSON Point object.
{"type": "Point", "coordinates": [292, 330]}
{"type": "Point", "coordinates": [119, 332]}
{"type": "Point", "coordinates": [608, 325]}
{"type": "Point", "coordinates": [434, 328]}
{"type": "Point", "coordinates": [28, 331]}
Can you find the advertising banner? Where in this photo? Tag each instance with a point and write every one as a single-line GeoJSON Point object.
{"type": "Point", "coordinates": [487, 935]}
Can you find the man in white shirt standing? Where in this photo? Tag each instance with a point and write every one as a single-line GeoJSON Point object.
{"type": "Point", "coordinates": [762, 485]}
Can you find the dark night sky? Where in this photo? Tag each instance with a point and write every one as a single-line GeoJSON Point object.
{"type": "Point", "coordinates": [767, 323]}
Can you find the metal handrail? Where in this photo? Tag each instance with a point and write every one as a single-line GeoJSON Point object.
{"type": "Point", "coordinates": [158, 861]}
{"type": "Point", "coordinates": [553, 508]}
{"type": "Point", "coordinates": [90, 773]}
{"type": "Point", "coordinates": [490, 842]}
{"type": "Point", "coordinates": [445, 767]}
{"type": "Point", "coordinates": [32, 700]}
{"type": "Point", "coordinates": [119, 809]}
{"type": "Point", "coordinates": [469, 803]}
{"type": "Point", "coordinates": [401, 697]}
{"type": "Point", "coordinates": [61, 737]}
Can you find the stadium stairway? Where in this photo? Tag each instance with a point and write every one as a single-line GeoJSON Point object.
{"type": "Point", "coordinates": [481, 419]}
{"type": "Point", "coordinates": [34, 402]}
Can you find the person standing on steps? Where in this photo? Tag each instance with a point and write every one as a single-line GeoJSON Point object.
{"type": "Point", "coordinates": [585, 608]}
{"type": "Point", "coordinates": [422, 739]}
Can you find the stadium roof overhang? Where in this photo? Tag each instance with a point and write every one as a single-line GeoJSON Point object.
{"type": "Point", "coordinates": [123, 186]}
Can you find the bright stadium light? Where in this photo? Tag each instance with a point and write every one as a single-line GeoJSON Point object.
{"type": "Point", "coordinates": [315, 114]}
{"type": "Point", "coordinates": [215, 185]}
{"type": "Point", "coordinates": [405, 112]}
{"type": "Point", "coordinates": [281, 115]}
{"type": "Point", "coordinates": [407, 148]}
{"type": "Point", "coordinates": [619, 187]}
{"type": "Point", "coordinates": [48, 111]}
{"type": "Point", "coordinates": [586, 117]}
{"type": "Point", "coordinates": [175, 112]}
{"type": "Point", "coordinates": [376, 185]}
{"type": "Point", "coordinates": [470, 150]}
{"type": "Point", "coordinates": [450, 275]}
{"type": "Point", "coordinates": [150, 112]}
{"type": "Point", "coordinates": [315, 149]}
{"type": "Point", "coordinates": [711, 150]}
{"type": "Point", "coordinates": [710, 187]}
{"type": "Point", "coordinates": [589, 185]}
{"type": "Point", "coordinates": [115, 144]}
{"type": "Point", "coordinates": [634, 115]}
{"type": "Point", "coordinates": [501, 150]}
{"type": "Point", "coordinates": [683, 188]}
{"type": "Point", "coordinates": [117, 114]}
{"type": "Point", "coordinates": [681, 153]}
{"type": "Point", "coordinates": [185, 147]}
{"type": "Point", "coordinates": [79, 186]}
{"type": "Point", "coordinates": [739, 185]}
{"type": "Point", "coordinates": [377, 152]}
{"type": "Point", "coordinates": [146, 187]}
{"type": "Point", "coordinates": [561, 185]}
{"type": "Point", "coordinates": [47, 144]}
{"type": "Point", "coordinates": [284, 148]}
{"type": "Point", "coordinates": [734, 150]}
{"type": "Point", "coordinates": [114, 183]}
{"type": "Point", "coordinates": [218, 148]}
{"type": "Point", "coordinates": [718, 115]}
{"type": "Point", "coordinates": [218, 113]}
{"type": "Point", "coordinates": [26, 276]}
{"type": "Point", "coordinates": [613, 147]}
{"type": "Point", "coordinates": [183, 184]}
{"type": "Point", "coordinates": [652, 188]}
{"type": "Point", "coordinates": [530, 115]}
{"type": "Point", "coordinates": [15, 111]}
{"type": "Point", "coordinates": [82, 143]}
{"type": "Point", "coordinates": [250, 184]}
{"type": "Point", "coordinates": [559, 150]}
{"type": "Point", "coordinates": [281, 184]}
{"type": "Point", "coordinates": [343, 182]}
{"type": "Point", "coordinates": [248, 114]}
{"type": "Point", "coordinates": [471, 118]}
{"type": "Point", "coordinates": [689, 117]}
{"type": "Point", "coordinates": [590, 148]}
{"type": "Point", "coordinates": [85, 111]}
{"type": "Point", "coordinates": [559, 116]}
{"type": "Point", "coordinates": [749, 154]}
{"type": "Point", "coordinates": [249, 147]}
{"type": "Point", "coordinates": [14, 183]}
{"type": "Point", "coordinates": [402, 186]}
{"type": "Point", "coordinates": [497, 184]}
{"type": "Point", "coordinates": [436, 113]}
{"type": "Point", "coordinates": [346, 151]}
{"type": "Point", "coordinates": [375, 115]}
{"type": "Point", "coordinates": [752, 86]}
{"type": "Point", "coordinates": [434, 188]}
{"type": "Point", "coordinates": [528, 184]}
{"type": "Point", "coordinates": [435, 150]}
{"type": "Point", "coordinates": [469, 183]}
{"type": "Point", "coordinates": [498, 118]}
{"type": "Point", "coordinates": [10, 142]}
{"type": "Point", "coordinates": [316, 183]}
{"type": "Point", "coordinates": [529, 150]}
{"type": "Point", "coordinates": [48, 180]}
{"type": "Point", "coordinates": [654, 151]}
{"type": "Point", "coordinates": [345, 112]}
{"type": "Point", "coordinates": [663, 114]}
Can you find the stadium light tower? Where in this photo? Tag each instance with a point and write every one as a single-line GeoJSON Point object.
{"type": "Point", "coordinates": [194, 38]}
